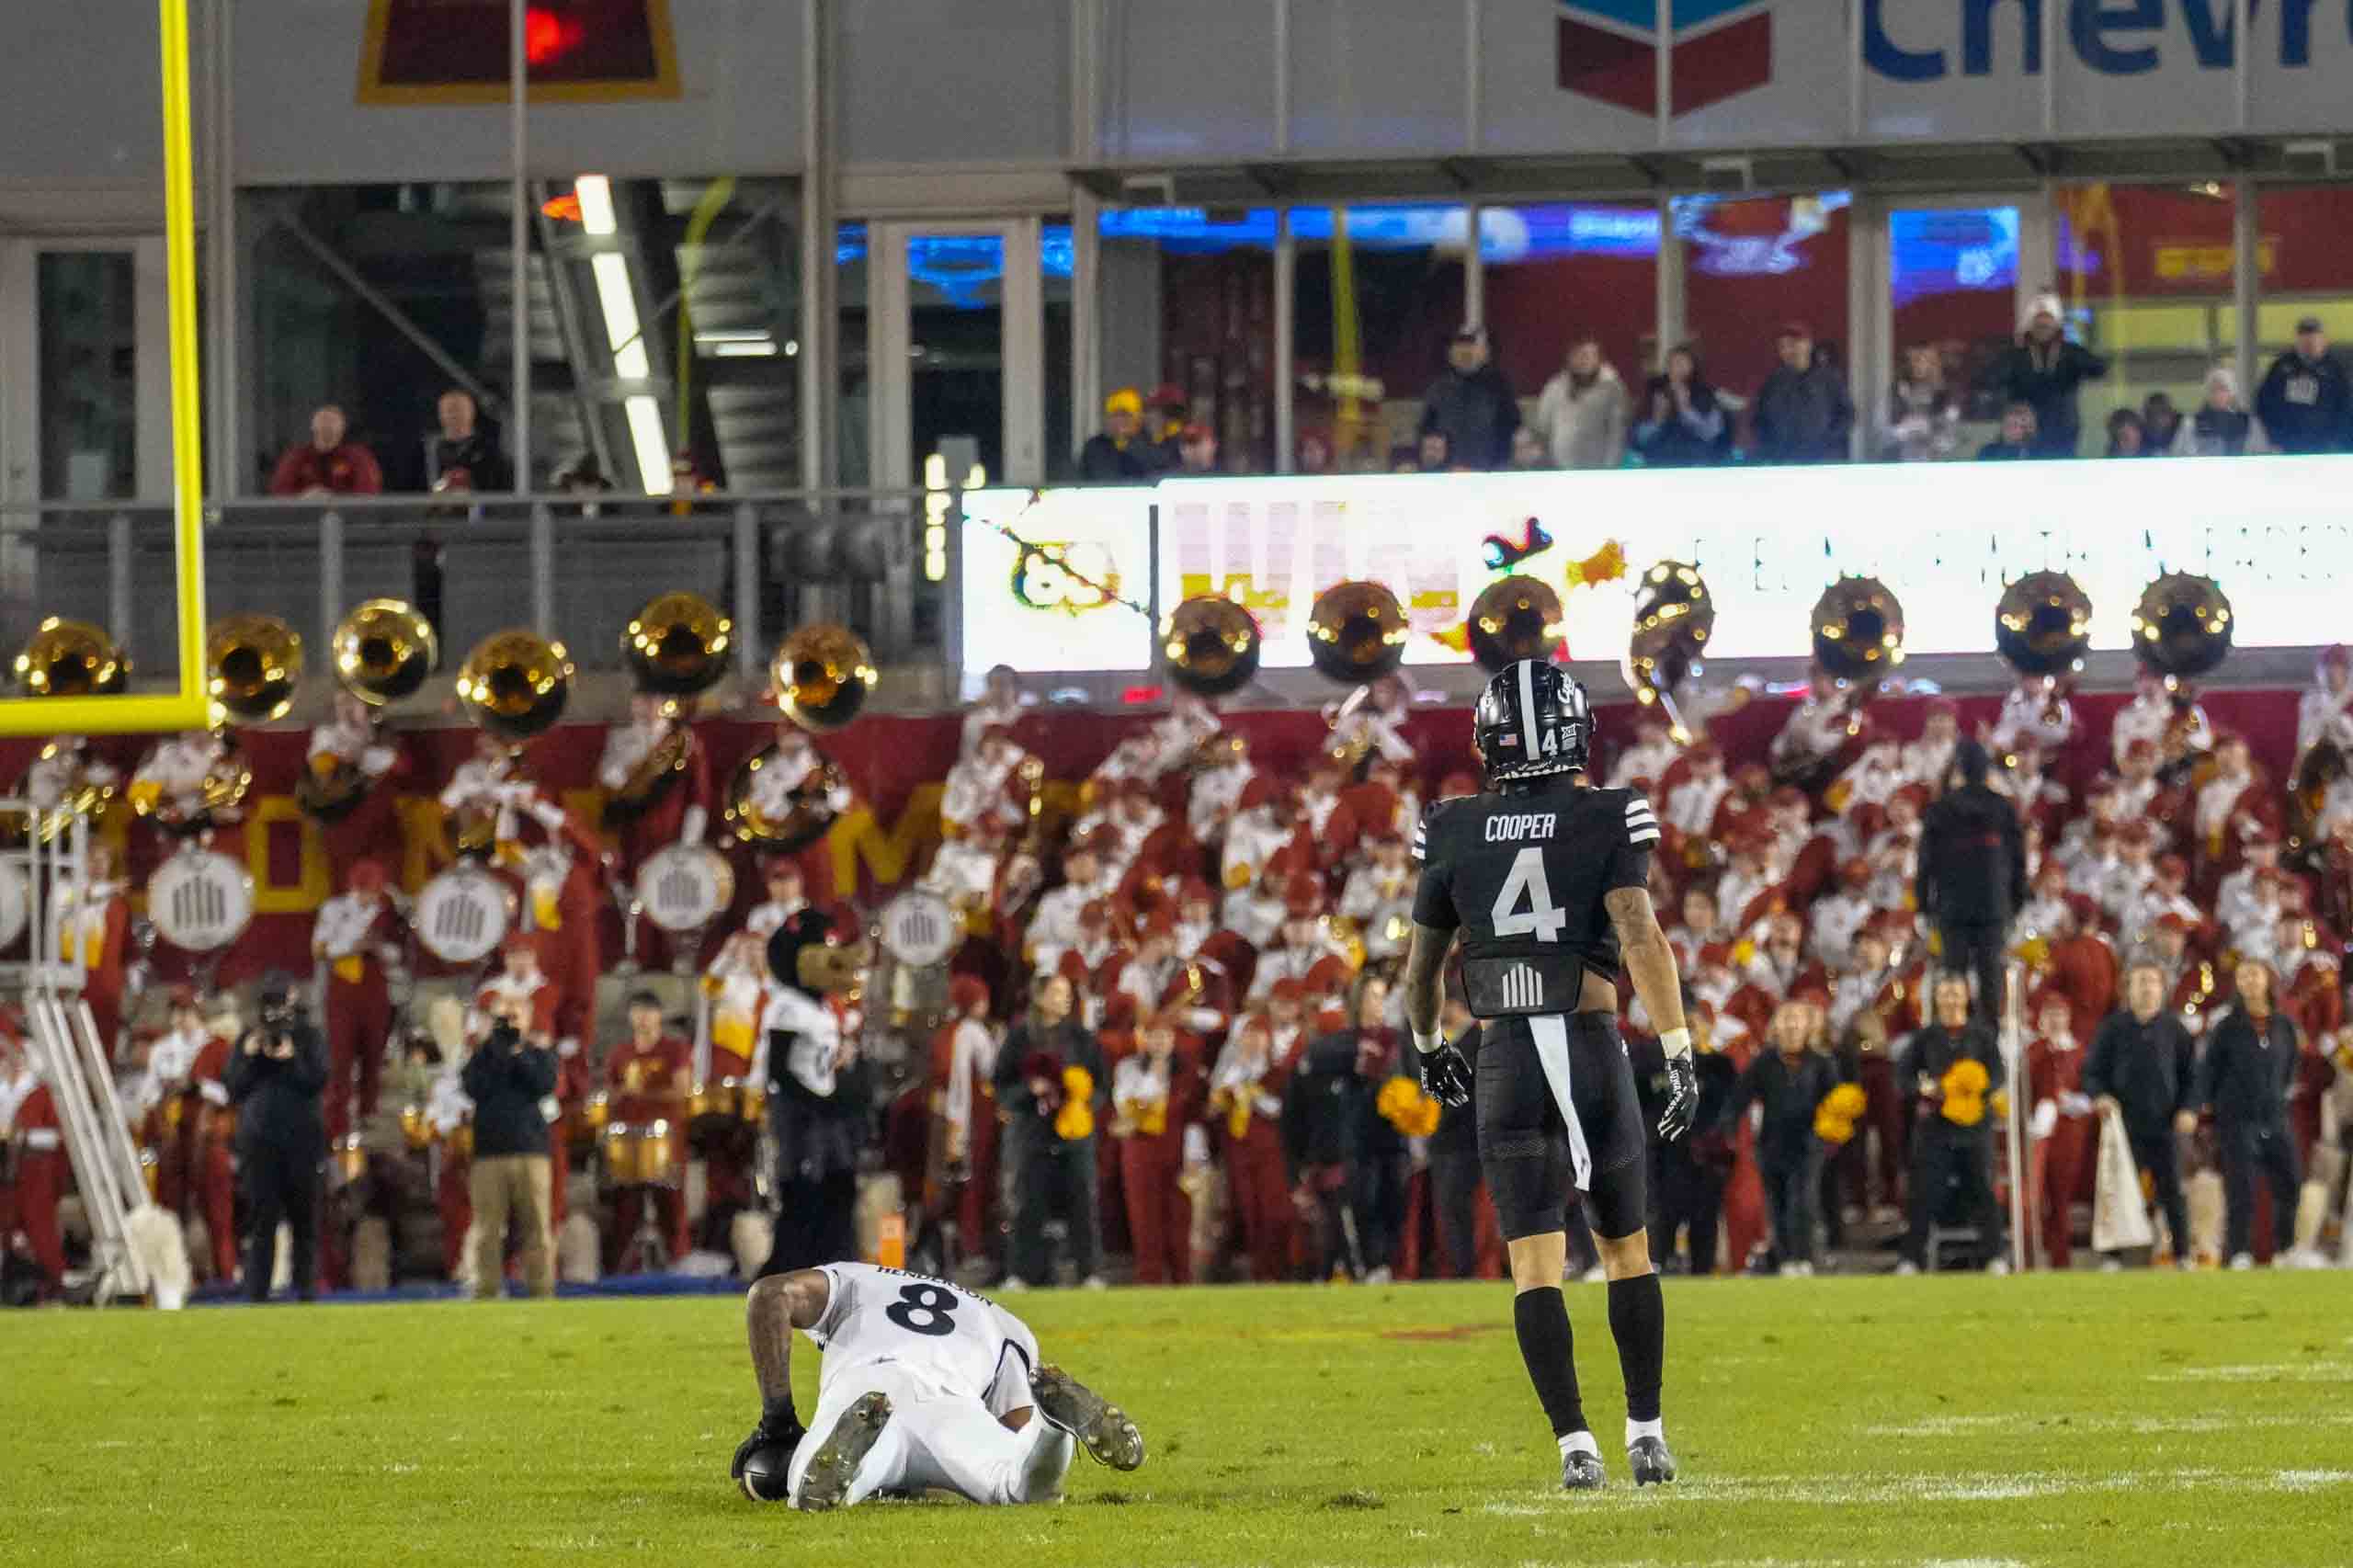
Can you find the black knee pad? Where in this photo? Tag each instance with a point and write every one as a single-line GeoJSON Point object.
{"type": "Point", "coordinates": [1621, 1201]}
{"type": "Point", "coordinates": [1526, 1179]}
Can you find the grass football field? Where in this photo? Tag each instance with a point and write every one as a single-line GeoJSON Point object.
{"type": "Point", "coordinates": [2140, 1418]}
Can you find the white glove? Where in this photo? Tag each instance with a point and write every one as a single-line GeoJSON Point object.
{"type": "Point", "coordinates": [691, 827]}
{"type": "Point", "coordinates": [2046, 1117]}
{"type": "Point", "coordinates": [2074, 1104]}
{"type": "Point", "coordinates": [377, 761]}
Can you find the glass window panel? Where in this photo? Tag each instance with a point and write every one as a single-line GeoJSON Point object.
{"type": "Point", "coordinates": [1952, 278]}
{"type": "Point", "coordinates": [2143, 277]}
{"type": "Point", "coordinates": [1377, 298]}
{"type": "Point", "coordinates": [2306, 272]}
{"type": "Point", "coordinates": [1556, 275]}
{"type": "Point", "coordinates": [1187, 299]}
{"type": "Point", "coordinates": [90, 375]}
{"type": "Point", "coordinates": [1752, 266]}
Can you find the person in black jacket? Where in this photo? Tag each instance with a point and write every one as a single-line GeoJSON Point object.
{"type": "Point", "coordinates": [2044, 369]}
{"type": "Point", "coordinates": [1047, 1172]}
{"type": "Point", "coordinates": [1971, 875]}
{"type": "Point", "coordinates": [2304, 402]}
{"type": "Point", "coordinates": [511, 1079]}
{"type": "Point", "coordinates": [1687, 1174]}
{"type": "Point", "coordinates": [2144, 1067]}
{"type": "Point", "coordinates": [460, 455]}
{"type": "Point", "coordinates": [1803, 412]}
{"type": "Point", "coordinates": [1679, 423]}
{"type": "Point", "coordinates": [1471, 405]}
{"type": "Point", "coordinates": [819, 1093]}
{"type": "Point", "coordinates": [1119, 454]}
{"type": "Point", "coordinates": [275, 1078]}
{"type": "Point", "coordinates": [1344, 1157]}
{"type": "Point", "coordinates": [1790, 1081]}
{"type": "Point", "coordinates": [2242, 1079]}
{"type": "Point", "coordinates": [1947, 1146]}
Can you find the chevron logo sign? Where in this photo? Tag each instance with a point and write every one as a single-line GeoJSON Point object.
{"type": "Point", "coordinates": [1717, 50]}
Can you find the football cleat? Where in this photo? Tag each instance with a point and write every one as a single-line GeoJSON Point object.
{"type": "Point", "coordinates": [1582, 1472]}
{"type": "Point", "coordinates": [826, 1484]}
{"type": "Point", "coordinates": [1652, 1464]}
{"type": "Point", "coordinates": [1104, 1430]}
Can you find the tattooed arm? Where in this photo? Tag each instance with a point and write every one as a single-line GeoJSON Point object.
{"type": "Point", "coordinates": [777, 1305]}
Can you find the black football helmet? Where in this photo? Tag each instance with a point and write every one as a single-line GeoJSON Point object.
{"type": "Point", "coordinates": [1532, 722]}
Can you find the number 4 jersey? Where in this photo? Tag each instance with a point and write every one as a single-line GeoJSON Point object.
{"type": "Point", "coordinates": [1523, 877]}
{"type": "Point", "coordinates": [966, 1344]}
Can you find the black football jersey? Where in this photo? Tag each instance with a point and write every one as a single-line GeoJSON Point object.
{"type": "Point", "coordinates": [1523, 877]}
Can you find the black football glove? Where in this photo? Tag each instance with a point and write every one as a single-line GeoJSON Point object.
{"type": "Point", "coordinates": [1446, 1074]}
{"type": "Point", "coordinates": [781, 1428]}
{"type": "Point", "coordinates": [1682, 1098]}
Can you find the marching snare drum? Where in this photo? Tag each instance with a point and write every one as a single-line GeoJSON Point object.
{"type": "Point", "coordinates": [200, 899]}
{"type": "Point", "coordinates": [920, 928]}
{"type": "Point", "coordinates": [685, 887]}
{"type": "Point", "coordinates": [462, 915]}
{"type": "Point", "coordinates": [639, 1155]}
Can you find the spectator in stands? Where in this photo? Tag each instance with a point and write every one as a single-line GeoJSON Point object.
{"type": "Point", "coordinates": [461, 455]}
{"type": "Point", "coordinates": [1803, 411]}
{"type": "Point", "coordinates": [508, 1076]}
{"type": "Point", "coordinates": [1119, 454]}
{"type": "Point", "coordinates": [2305, 403]}
{"type": "Point", "coordinates": [2243, 1076]}
{"type": "Point", "coordinates": [1196, 450]}
{"type": "Point", "coordinates": [2143, 1067]}
{"type": "Point", "coordinates": [2160, 422]}
{"type": "Point", "coordinates": [1529, 454]}
{"type": "Point", "coordinates": [1472, 404]}
{"type": "Point", "coordinates": [2222, 427]}
{"type": "Point", "coordinates": [329, 463]}
{"type": "Point", "coordinates": [1582, 413]}
{"type": "Point", "coordinates": [1953, 1131]}
{"type": "Point", "coordinates": [1682, 424]}
{"type": "Point", "coordinates": [1971, 875]}
{"type": "Point", "coordinates": [1166, 414]}
{"type": "Point", "coordinates": [2127, 436]}
{"type": "Point", "coordinates": [2017, 437]}
{"type": "Point", "coordinates": [1051, 1085]}
{"type": "Point", "coordinates": [1923, 416]}
{"type": "Point", "coordinates": [2044, 369]}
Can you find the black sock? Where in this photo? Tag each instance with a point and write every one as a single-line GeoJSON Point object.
{"type": "Point", "coordinates": [1638, 1321]}
{"type": "Point", "coordinates": [1549, 1350]}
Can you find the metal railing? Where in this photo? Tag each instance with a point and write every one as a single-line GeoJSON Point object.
{"type": "Point", "coordinates": [572, 567]}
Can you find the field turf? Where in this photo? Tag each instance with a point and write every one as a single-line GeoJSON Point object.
{"type": "Point", "coordinates": [2142, 1419]}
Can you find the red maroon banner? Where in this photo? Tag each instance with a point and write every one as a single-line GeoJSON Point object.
{"type": "Point", "coordinates": [896, 766]}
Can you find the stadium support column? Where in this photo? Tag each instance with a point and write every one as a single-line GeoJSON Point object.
{"type": "Point", "coordinates": [820, 319]}
{"type": "Point", "coordinates": [1286, 405]}
{"type": "Point", "coordinates": [519, 241]}
{"type": "Point", "coordinates": [2246, 277]}
{"type": "Point", "coordinates": [223, 299]}
{"type": "Point", "coordinates": [1670, 279]}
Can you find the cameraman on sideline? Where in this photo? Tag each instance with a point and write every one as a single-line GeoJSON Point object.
{"type": "Point", "coordinates": [511, 1079]}
{"type": "Point", "coordinates": [275, 1078]}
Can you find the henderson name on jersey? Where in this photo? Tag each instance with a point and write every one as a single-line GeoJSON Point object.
{"type": "Point", "coordinates": [1523, 877]}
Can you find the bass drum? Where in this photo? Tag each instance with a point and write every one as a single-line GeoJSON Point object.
{"type": "Point", "coordinates": [14, 906]}
{"type": "Point", "coordinates": [685, 887]}
{"type": "Point", "coordinates": [919, 929]}
{"type": "Point", "coordinates": [200, 901]}
{"type": "Point", "coordinates": [463, 915]}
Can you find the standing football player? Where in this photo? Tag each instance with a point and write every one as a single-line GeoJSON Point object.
{"type": "Point", "coordinates": [924, 1386]}
{"type": "Point", "coordinates": [1546, 879]}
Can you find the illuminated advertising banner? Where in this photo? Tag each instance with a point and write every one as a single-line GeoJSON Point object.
{"type": "Point", "coordinates": [1056, 580]}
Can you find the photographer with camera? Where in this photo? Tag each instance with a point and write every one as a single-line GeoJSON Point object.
{"type": "Point", "coordinates": [275, 1076]}
{"type": "Point", "coordinates": [511, 1079]}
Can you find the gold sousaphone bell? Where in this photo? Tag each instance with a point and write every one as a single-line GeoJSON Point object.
{"type": "Point", "coordinates": [823, 673]}
{"type": "Point", "coordinates": [1857, 629]}
{"type": "Point", "coordinates": [71, 658]}
{"type": "Point", "coordinates": [1513, 619]}
{"type": "Point", "coordinates": [1212, 646]}
{"type": "Point", "coordinates": [384, 651]}
{"type": "Point", "coordinates": [1357, 633]}
{"type": "Point", "coordinates": [2182, 627]}
{"type": "Point", "coordinates": [252, 664]}
{"type": "Point", "coordinates": [676, 647]}
{"type": "Point", "coordinates": [514, 684]}
{"type": "Point", "coordinates": [1674, 617]}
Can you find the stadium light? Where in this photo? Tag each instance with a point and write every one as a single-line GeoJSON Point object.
{"type": "Point", "coordinates": [653, 451]}
{"type": "Point", "coordinates": [595, 194]}
{"type": "Point", "coordinates": [620, 304]}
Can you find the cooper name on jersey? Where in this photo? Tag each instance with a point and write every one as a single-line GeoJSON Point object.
{"type": "Point", "coordinates": [1520, 825]}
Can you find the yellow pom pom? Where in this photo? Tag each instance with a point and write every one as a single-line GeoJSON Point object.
{"type": "Point", "coordinates": [1846, 1101]}
{"type": "Point", "coordinates": [1604, 565]}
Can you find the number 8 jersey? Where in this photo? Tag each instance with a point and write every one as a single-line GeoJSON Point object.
{"type": "Point", "coordinates": [1522, 876]}
{"type": "Point", "coordinates": [964, 1343]}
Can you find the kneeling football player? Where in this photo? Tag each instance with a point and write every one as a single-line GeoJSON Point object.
{"type": "Point", "coordinates": [924, 1386]}
{"type": "Point", "coordinates": [1546, 881]}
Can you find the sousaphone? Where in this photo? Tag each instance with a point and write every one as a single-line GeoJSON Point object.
{"type": "Point", "coordinates": [383, 651]}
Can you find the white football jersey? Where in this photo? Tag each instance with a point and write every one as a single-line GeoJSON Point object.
{"type": "Point", "coordinates": [966, 1344]}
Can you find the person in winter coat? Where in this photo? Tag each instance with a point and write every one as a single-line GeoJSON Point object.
{"type": "Point", "coordinates": [1790, 1083]}
{"type": "Point", "coordinates": [2017, 441]}
{"type": "Point", "coordinates": [2044, 369]}
{"type": "Point", "coordinates": [1680, 423]}
{"type": "Point", "coordinates": [1804, 414]}
{"type": "Point", "coordinates": [2305, 403]}
{"type": "Point", "coordinates": [2222, 427]}
{"type": "Point", "coordinates": [1119, 454]}
{"type": "Point", "coordinates": [2242, 1079]}
{"type": "Point", "coordinates": [1923, 416]}
{"type": "Point", "coordinates": [2144, 1067]}
{"type": "Point", "coordinates": [1971, 875]}
{"type": "Point", "coordinates": [2128, 436]}
{"type": "Point", "coordinates": [1471, 405]}
{"type": "Point", "coordinates": [1952, 1142]}
{"type": "Point", "coordinates": [1582, 414]}
{"type": "Point", "coordinates": [2160, 425]}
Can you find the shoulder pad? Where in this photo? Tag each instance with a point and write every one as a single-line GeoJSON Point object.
{"type": "Point", "coordinates": [1430, 814]}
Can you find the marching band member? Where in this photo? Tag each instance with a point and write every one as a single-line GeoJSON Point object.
{"type": "Point", "coordinates": [1179, 735]}
{"type": "Point", "coordinates": [1328, 821]}
{"type": "Point", "coordinates": [2233, 806]}
{"type": "Point", "coordinates": [980, 786]}
{"type": "Point", "coordinates": [170, 781]}
{"type": "Point", "coordinates": [2172, 722]}
{"type": "Point", "coordinates": [781, 875]}
{"type": "Point", "coordinates": [1378, 894]}
{"type": "Point", "coordinates": [1156, 1099]}
{"type": "Point", "coordinates": [1691, 805]}
{"type": "Point", "coordinates": [565, 894]}
{"type": "Point", "coordinates": [2061, 1121]}
{"type": "Point", "coordinates": [775, 787]}
{"type": "Point", "coordinates": [2236, 900]}
{"type": "Point", "coordinates": [1196, 911]}
{"type": "Point", "coordinates": [1841, 913]}
{"type": "Point", "coordinates": [28, 1123]}
{"type": "Point", "coordinates": [356, 935]}
{"type": "Point", "coordinates": [355, 738]}
{"type": "Point", "coordinates": [647, 1076]}
{"type": "Point", "coordinates": [1377, 724]}
{"type": "Point", "coordinates": [1215, 792]}
{"type": "Point", "coordinates": [1748, 883]}
{"type": "Point", "coordinates": [448, 1113]}
{"type": "Point", "coordinates": [1245, 1102]}
{"type": "Point", "coordinates": [1650, 756]}
{"type": "Point", "coordinates": [1303, 944]}
{"type": "Point", "coordinates": [1928, 761]}
{"type": "Point", "coordinates": [1871, 779]}
{"type": "Point", "coordinates": [1054, 925]}
{"type": "Point", "coordinates": [2037, 711]}
{"type": "Point", "coordinates": [2040, 800]}
{"type": "Point", "coordinates": [1696, 925]}
{"type": "Point", "coordinates": [2047, 900]}
{"type": "Point", "coordinates": [1001, 703]}
{"type": "Point", "coordinates": [2325, 713]}
{"type": "Point", "coordinates": [2164, 894]}
{"type": "Point", "coordinates": [1266, 824]}
{"type": "Point", "coordinates": [968, 1111]}
{"type": "Point", "coordinates": [658, 766]}
{"type": "Point", "coordinates": [1816, 731]}
{"type": "Point", "coordinates": [66, 767]}
{"type": "Point", "coordinates": [94, 932]}
{"type": "Point", "coordinates": [191, 1062]}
